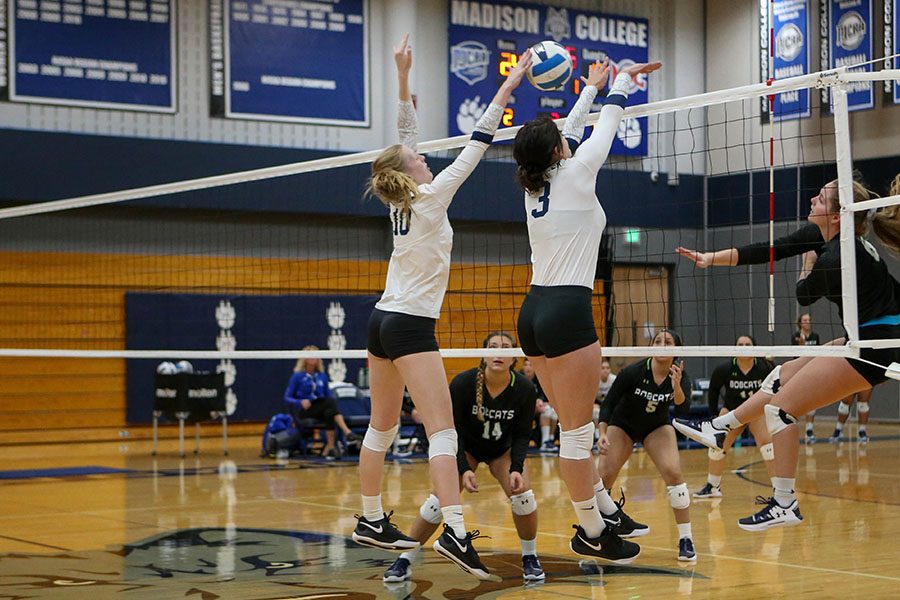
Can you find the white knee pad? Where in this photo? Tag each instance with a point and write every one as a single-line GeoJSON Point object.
{"type": "Point", "coordinates": [767, 451]}
{"type": "Point", "coordinates": [679, 496]}
{"type": "Point", "coordinates": [861, 407]}
{"type": "Point", "coordinates": [716, 454]}
{"type": "Point", "coordinates": [772, 382]}
{"type": "Point", "coordinates": [576, 444]}
{"type": "Point", "coordinates": [380, 441]}
{"type": "Point", "coordinates": [777, 419]}
{"type": "Point", "coordinates": [524, 503]}
{"type": "Point", "coordinates": [431, 510]}
{"type": "Point", "coordinates": [844, 409]}
{"type": "Point", "coordinates": [443, 443]}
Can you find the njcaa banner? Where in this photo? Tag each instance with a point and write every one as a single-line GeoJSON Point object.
{"type": "Point", "coordinates": [791, 56]}
{"type": "Point", "coordinates": [891, 47]}
{"type": "Point", "coordinates": [486, 38]}
{"type": "Point", "coordinates": [280, 60]}
{"type": "Point", "coordinates": [851, 43]}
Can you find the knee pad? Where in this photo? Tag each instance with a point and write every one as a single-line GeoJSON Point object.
{"type": "Point", "coordinates": [431, 510]}
{"type": "Point", "coordinates": [679, 496]}
{"type": "Point", "coordinates": [524, 503]}
{"type": "Point", "coordinates": [767, 451]}
{"type": "Point", "coordinates": [861, 407]}
{"type": "Point", "coordinates": [380, 441]}
{"type": "Point", "coordinates": [576, 444]}
{"type": "Point", "coordinates": [716, 454]}
{"type": "Point", "coordinates": [442, 443]}
{"type": "Point", "coordinates": [777, 419]}
{"type": "Point", "coordinates": [844, 409]}
{"type": "Point", "coordinates": [549, 412]}
{"type": "Point", "coordinates": [772, 382]}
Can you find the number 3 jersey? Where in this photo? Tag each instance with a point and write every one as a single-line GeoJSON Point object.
{"type": "Point", "coordinates": [636, 399]}
{"type": "Point", "coordinates": [565, 219]}
{"type": "Point", "coordinates": [507, 420]}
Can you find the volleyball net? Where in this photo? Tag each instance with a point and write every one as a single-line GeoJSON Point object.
{"type": "Point", "coordinates": [206, 270]}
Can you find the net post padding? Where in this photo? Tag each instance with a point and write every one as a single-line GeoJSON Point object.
{"type": "Point", "coordinates": [848, 229]}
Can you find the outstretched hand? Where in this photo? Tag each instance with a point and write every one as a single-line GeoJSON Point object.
{"type": "Point", "coordinates": [701, 259]}
{"type": "Point", "coordinates": [518, 72]}
{"type": "Point", "coordinates": [403, 56]}
{"type": "Point", "coordinates": [638, 68]}
{"type": "Point", "coordinates": [598, 74]}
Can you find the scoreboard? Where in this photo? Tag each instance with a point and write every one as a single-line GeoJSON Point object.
{"type": "Point", "coordinates": [486, 38]}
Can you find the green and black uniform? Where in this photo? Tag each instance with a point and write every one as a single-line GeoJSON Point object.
{"type": "Point", "coordinates": [506, 425]}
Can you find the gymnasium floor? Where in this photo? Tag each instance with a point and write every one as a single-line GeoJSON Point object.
{"type": "Point", "coordinates": [106, 520]}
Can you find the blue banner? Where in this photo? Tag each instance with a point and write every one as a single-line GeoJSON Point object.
{"type": "Point", "coordinates": [98, 53]}
{"type": "Point", "coordinates": [896, 15]}
{"type": "Point", "coordinates": [851, 43]}
{"type": "Point", "coordinates": [891, 47]}
{"type": "Point", "coordinates": [302, 62]}
{"type": "Point", "coordinates": [255, 388]}
{"type": "Point", "coordinates": [486, 38]}
{"type": "Point", "coordinates": [791, 56]}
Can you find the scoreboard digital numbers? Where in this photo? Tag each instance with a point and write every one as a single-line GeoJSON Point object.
{"type": "Point", "coordinates": [290, 60]}
{"type": "Point", "coordinates": [486, 38]}
{"type": "Point", "coordinates": [97, 53]}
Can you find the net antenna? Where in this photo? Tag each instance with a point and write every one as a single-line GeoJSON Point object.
{"type": "Point", "coordinates": [693, 121]}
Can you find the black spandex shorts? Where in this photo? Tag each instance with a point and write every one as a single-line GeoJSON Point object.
{"type": "Point", "coordinates": [881, 356]}
{"type": "Point", "coordinates": [556, 320]}
{"type": "Point", "coordinates": [392, 335]}
{"type": "Point", "coordinates": [636, 433]}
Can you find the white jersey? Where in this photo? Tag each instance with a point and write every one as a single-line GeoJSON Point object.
{"type": "Point", "coordinates": [419, 268]}
{"type": "Point", "coordinates": [565, 219]}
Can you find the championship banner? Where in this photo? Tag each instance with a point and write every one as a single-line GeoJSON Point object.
{"type": "Point", "coordinates": [851, 43]}
{"type": "Point", "coordinates": [486, 39]}
{"type": "Point", "coordinates": [95, 53]}
{"type": "Point", "coordinates": [891, 47]}
{"type": "Point", "coordinates": [791, 56]}
{"type": "Point", "coordinates": [290, 61]}
{"type": "Point", "coordinates": [255, 388]}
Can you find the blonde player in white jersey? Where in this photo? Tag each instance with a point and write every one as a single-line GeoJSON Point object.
{"type": "Point", "coordinates": [556, 325]}
{"type": "Point", "coordinates": [402, 349]}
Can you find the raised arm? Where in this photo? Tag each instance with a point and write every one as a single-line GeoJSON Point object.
{"type": "Point", "coordinates": [573, 129]}
{"type": "Point", "coordinates": [407, 122]}
{"type": "Point", "coordinates": [592, 153]}
{"type": "Point", "coordinates": [448, 181]}
{"type": "Point", "coordinates": [807, 238]}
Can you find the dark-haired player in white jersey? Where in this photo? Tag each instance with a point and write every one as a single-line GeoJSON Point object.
{"type": "Point", "coordinates": [636, 410]}
{"type": "Point", "coordinates": [402, 348]}
{"type": "Point", "coordinates": [556, 325]}
{"type": "Point", "coordinates": [804, 384]}
{"type": "Point", "coordinates": [493, 407]}
{"type": "Point", "coordinates": [739, 378]}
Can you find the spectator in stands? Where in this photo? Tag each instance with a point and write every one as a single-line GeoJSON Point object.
{"type": "Point", "coordinates": [308, 396]}
{"type": "Point", "coordinates": [544, 415]}
{"type": "Point", "coordinates": [607, 377]}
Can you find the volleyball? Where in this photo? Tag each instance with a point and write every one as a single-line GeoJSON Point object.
{"type": "Point", "coordinates": [551, 66]}
{"type": "Point", "coordinates": [184, 366]}
{"type": "Point", "coordinates": [166, 368]}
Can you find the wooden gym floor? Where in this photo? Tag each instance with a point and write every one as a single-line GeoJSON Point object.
{"type": "Point", "coordinates": [107, 520]}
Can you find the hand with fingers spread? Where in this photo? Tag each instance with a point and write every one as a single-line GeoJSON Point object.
{"type": "Point", "coordinates": [518, 72]}
{"type": "Point", "coordinates": [598, 74]}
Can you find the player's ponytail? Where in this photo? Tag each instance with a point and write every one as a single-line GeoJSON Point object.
{"type": "Point", "coordinates": [389, 181]}
{"type": "Point", "coordinates": [535, 152]}
{"type": "Point", "coordinates": [886, 222]}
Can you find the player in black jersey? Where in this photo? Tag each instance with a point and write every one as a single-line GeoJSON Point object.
{"type": "Point", "coordinates": [636, 410]}
{"type": "Point", "coordinates": [739, 378]}
{"type": "Point", "coordinates": [493, 408]}
{"type": "Point", "coordinates": [805, 336]}
{"type": "Point", "coordinates": [804, 384]}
